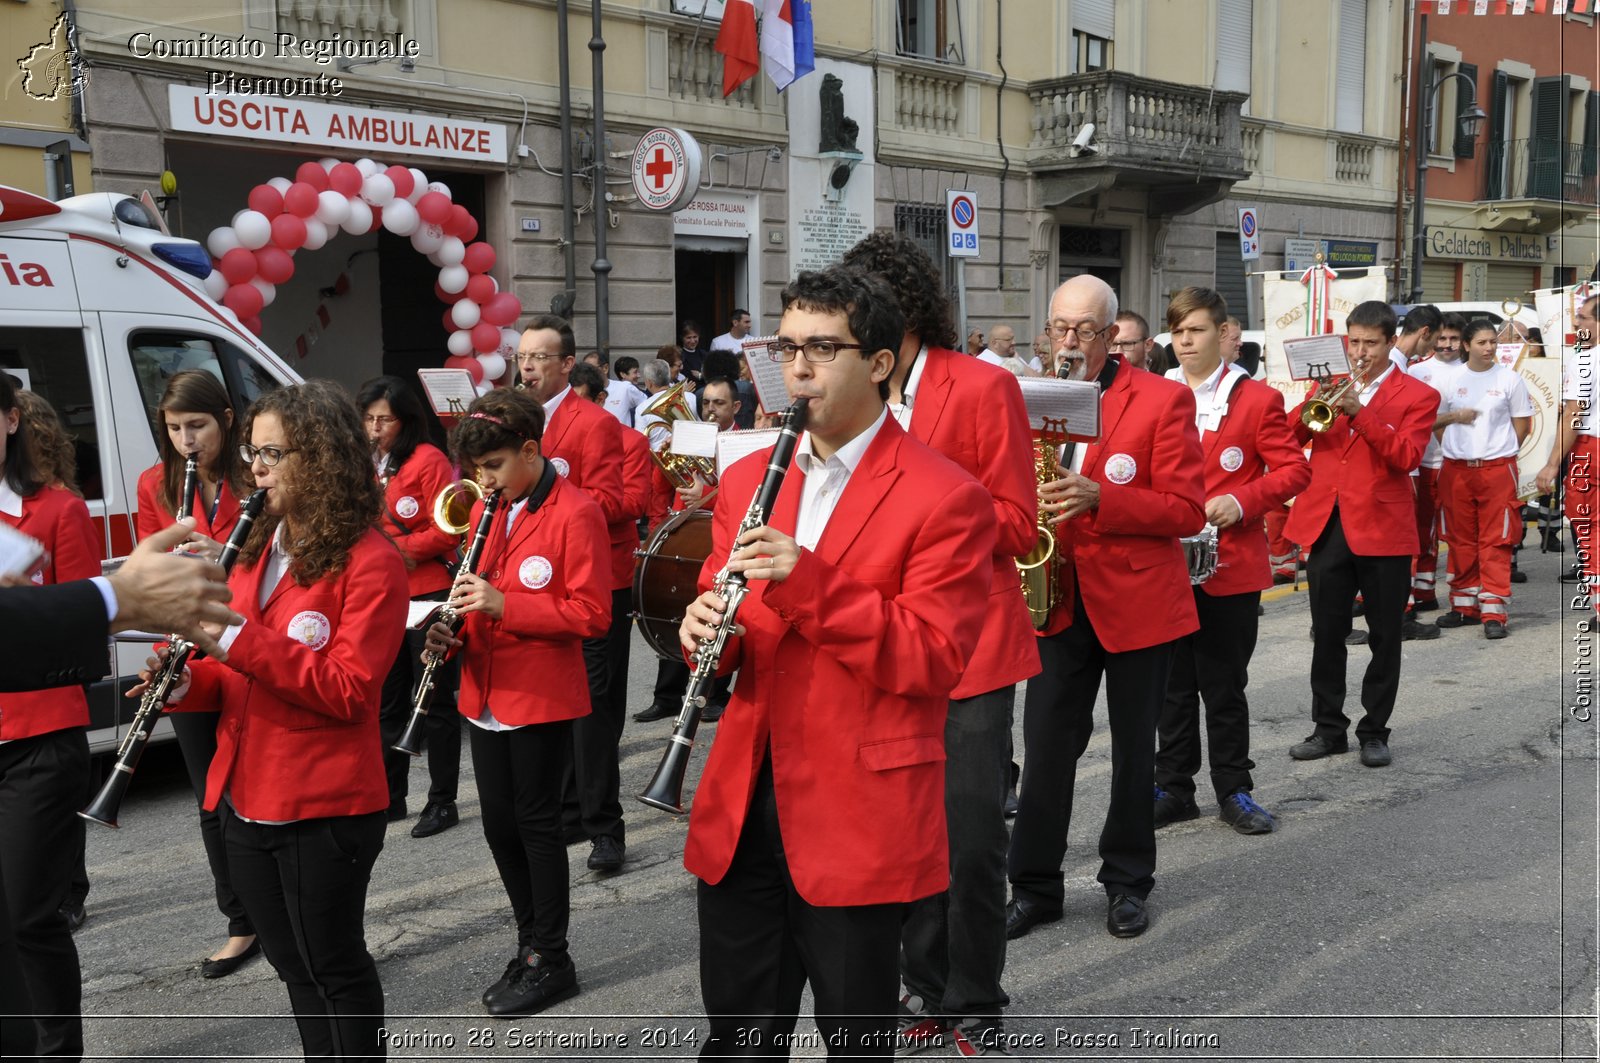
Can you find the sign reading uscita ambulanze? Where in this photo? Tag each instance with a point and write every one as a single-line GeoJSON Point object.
{"type": "Point", "coordinates": [302, 122]}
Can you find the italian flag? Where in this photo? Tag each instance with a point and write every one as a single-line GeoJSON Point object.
{"type": "Point", "coordinates": [737, 41]}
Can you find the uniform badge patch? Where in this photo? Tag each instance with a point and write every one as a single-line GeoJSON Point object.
{"type": "Point", "coordinates": [310, 628]}
{"type": "Point", "coordinates": [406, 507]}
{"type": "Point", "coordinates": [562, 468]}
{"type": "Point", "coordinates": [1121, 468]}
{"type": "Point", "coordinates": [1232, 459]}
{"type": "Point", "coordinates": [535, 572]}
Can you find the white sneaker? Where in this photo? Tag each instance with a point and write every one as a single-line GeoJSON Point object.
{"type": "Point", "coordinates": [918, 1030]}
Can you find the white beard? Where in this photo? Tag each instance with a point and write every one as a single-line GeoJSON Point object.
{"type": "Point", "coordinates": [1072, 366]}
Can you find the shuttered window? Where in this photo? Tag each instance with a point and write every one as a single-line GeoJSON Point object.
{"type": "Point", "coordinates": [1591, 135]}
{"type": "Point", "coordinates": [1233, 45]}
{"type": "Point", "coordinates": [1095, 17]}
{"type": "Point", "coordinates": [1231, 283]}
{"type": "Point", "coordinates": [1499, 135]}
{"type": "Point", "coordinates": [1547, 139]}
{"type": "Point", "coordinates": [1464, 146]}
{"type": "Point", "coordinates": [1350, 77]}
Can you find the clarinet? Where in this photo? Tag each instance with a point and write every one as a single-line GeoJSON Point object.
{"type": "Point", "coordinates": [666, 786]}
{"type": "Point", "coordinates": [103, 809]}
{"type": "Point", "coordinates": [191, 475]}
{"type": "Point", "coordinates": [410, 740]}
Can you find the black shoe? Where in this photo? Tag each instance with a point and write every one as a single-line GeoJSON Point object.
{"type": "Point", "coordinates": [1126, 916]}
{"type": "Point", "coordinates": [1375, 753]}
{"type": "Point", "coordinates": [536, 985]}
{"type": "Point", "coordinates": [1240, 811]}
{"type": "Point", "coordinates": [228, 964]}
{"type": "Point", "coordinates": [73, 912]}
{"type": "Point", "coordinates": [1022, 916]}
{"type": "Point", "coordinates": [1494, 629]}
{"type": "Point", "coordinates": [607, 854]}
{"type": "Point", "coordinates": [1318, 746]}
{"type": "Point", "coordinates": [1416, 631]}
{"type": "Point", "coordinates": [516, 964]}
{"type": "Point", "coordinates": [1174, 808]}
{"type": "Point", "coordinates": [1455, 618]}
{"type": "Point", "coordinates": [1359, 608]}
{"type": "Point", "coordinates": [1518, 576]}
{"type": "Point", "coordinates": [653, 713]}
{"type": "Point", "coordinates": [713, 712]}
{"type": "Point", "coordinates": [1425, 605]}
{"type": "Point", "coordinates": [397, 810]}
{"type": "Point", "coordinates": [1573, 575]}
{"type": "Point", "coordinates": [1551, 543]}
{"type": "Point", "coordinates": [1011, 803]}
{"type": "Point", "coordinates": [438, 816]}
{"type": "Point", "coordinates": [1357, 637]}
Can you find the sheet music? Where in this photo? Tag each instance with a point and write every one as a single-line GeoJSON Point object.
{"type": "Point", "coordinates": [696, 439]}
{"type": "Point", "coordinates": [731, 446]}
{"type": "Point", "coordinates": [1075, 401]}
{"type": "Point", "coordinates": [1317, 357]}
{"type": "Point", "coordinates": [450, 391]}
{"type": "Point", "coordinates": [418, 612]}
{"type": "Point", "coordinates": [772, 391]}
{"type": "Point", "coordinates": [19, 553]}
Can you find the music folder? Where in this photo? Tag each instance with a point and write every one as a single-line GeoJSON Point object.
{"type": "Point", "coordinates": [1076, 402]}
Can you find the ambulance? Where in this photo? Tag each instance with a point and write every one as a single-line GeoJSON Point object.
{"type": "Point", "coordinates": [99, 307]}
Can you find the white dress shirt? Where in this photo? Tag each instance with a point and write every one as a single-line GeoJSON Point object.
{"type": "Point", "coordinates": [902, 410]}
{"type": "Point", "coordinates": [554, 404]}
{"type": "Point", "coordinates": [826, 480]}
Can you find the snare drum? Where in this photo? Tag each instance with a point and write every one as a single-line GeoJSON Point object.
{"type": "Point", "coordinates": [1201, 553]}
{"type": "Point", "coordinates": [666, 579]}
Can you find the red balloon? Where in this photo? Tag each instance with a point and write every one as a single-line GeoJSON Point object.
{"type": "Point", "coordinates": [345, 179]}
{"type": "Point", "coordinates": [450, 322]}
{"type": "Point", "coordinates": [403, 181]}
{"type": "Point", "coordinates": [237, 266]}
{"type": "Point", "coordinates": [266, 199]}
{"type": "Point", "coordinates": [448, 297]}
{"type": "Point", "coordinates": [467, 362]}
{"type": "Point", "coordinates": [485, 337]}
{"type": "Point", "coordinates": [501, 310]}
{"type": "Point", "coordinates": [301, 199]}
{"type": "Point", "coordinates": [253, 323]}
{"type": "Point", "coordinates": [462, 224]}
{"type": "Point", "coordinates": [313, 174]}
{"type": "Point", "coordinates": [433, 208]}
{"type": "Point", "coordinates": [479, 258]}
{"type": "Point", "coordinates": [480, 289]}
{"type": "Point", "coordinates": [288, 231]}
{"type": "Point", "coordinates": [377, 219]}
{"type": "Point", "coordinates": [273, 264]}
{"type": "Point", "coordinates": [243, 299]}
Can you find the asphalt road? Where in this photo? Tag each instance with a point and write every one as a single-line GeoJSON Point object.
{"type": "Point", "coordinates": [1441, 908]}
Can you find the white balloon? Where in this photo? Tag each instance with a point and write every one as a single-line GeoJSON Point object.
{"type": "Point", "coordinates": [316, 235]}
{"type": "Point", "coordinates": [237, 215]}
{"type": "Point", "coordinates": [327, 162]}
{"type": "Point", "coordinates": [459, 343]}
{"type": "Point", "coordinates": [439, 187]}
{"type": "Point", "coordinates": [282, 184]}
{"type": "Point", "coordinates": [221, 241]}
{"type": "Point", "coordinates": [427, 238]}
{"type": "Point", "coordinates": [419, 185]}
{"type": "Point", "coordinates": [215, 284]}
{"type": "Point", "coordinates": [509, 339]}
{"type": "Point", "coordinates": [360, 219]}
{"type": "Point", "coordinates": [465, 313]}
{"type": "Point", "coordinates": [368, 167]}
{"type": "Point", "coordinates": [377, 190]}
{"type": "Point", "coordinates": [268, 291]}
{"type": "Point", "coordinates": [483, 388]}
{"type": "Point", "coordinates": [454, 279]}
{"type": "Point", "coordinates": [452, 250]}
{"type": "Point", "coordinates": [434, 258]}
{"type": "Point", "coordinates": [332, 207]}
{"type": "Point", "coordinates": [399, 217]}
{"type": "Point", "coordinates": [254, 230]}
{"type": "Point", "coordinates": [494, 366]}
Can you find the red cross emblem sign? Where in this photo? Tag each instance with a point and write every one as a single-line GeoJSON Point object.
{"type": "Point", "coordinates": [666, 169]}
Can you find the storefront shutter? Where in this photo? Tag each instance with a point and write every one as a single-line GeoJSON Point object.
{"type": "Point", "coordinates": [1438, 281]}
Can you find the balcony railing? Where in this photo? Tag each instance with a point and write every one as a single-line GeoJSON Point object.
{"type": "Point", "coordinates": [1138, 119]}
{"type": "Point", "coordinates": [1543, 169]}
{"type": "Point", "coordinates": [926, 101]}
{"type": "Point", "coordinates": [694, 70]}
{"type": "Point", "coordinates": [360, 20]}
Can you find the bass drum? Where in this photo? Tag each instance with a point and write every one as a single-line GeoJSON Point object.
{"type": "Point", "coordinates": [666, 579]}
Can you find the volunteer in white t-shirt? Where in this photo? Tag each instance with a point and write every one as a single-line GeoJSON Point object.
{"type": "Point", "coordinates": [1434, 371]}
{"type": "Point", "coordinates": [1485, 416]}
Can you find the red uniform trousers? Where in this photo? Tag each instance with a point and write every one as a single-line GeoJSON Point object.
{"type": "Point", "coordinates": [1481, 522]}
{"type": "Point", "coordinates": [1429, 506]}
{"type": "Point", "coordinates": [1582, 505]}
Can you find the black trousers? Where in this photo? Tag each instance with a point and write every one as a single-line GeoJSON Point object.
{"type": "Point", "coordinates": [1212, 664]}
{"type": "Point", "coordinates": [760, 943]}
{"type": "Point", "coordinates": [591, 796]}
{"type": "Point", "coordinates": [304, 885]}
{"type": "Point", "coordinates": [197, 738]}
{"type": "Point", "coordinates": [1057, 720]}
{"type": "Point", "coordinates": [16, 1037]}
{"type": "Point", "coordinates": [42, 783]}
{"type": "Point", "coordinates": [672, 683]}
{"type": "Point", "coordinates": [442, 732]}
{"type": "Point", "coordinates": [1336, 576]}
{"type": "Point", "coordinates": [518, 773]}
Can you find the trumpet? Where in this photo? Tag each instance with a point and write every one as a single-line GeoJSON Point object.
{"type": "Point", "coordinates": [452, 512]}
{"type": "Point", "coordinates": [681, 469]}
{"type": "Point", "coordinates": [1322, 409]}
{"type": "Point", "coordinates": [666, 786]}
{"type": "Point", "coordinates": [103, 809]}
{"type": "Point", "coordinates": [1040, 568]}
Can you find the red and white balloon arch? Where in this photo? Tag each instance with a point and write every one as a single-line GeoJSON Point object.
{"type": "Point", "coordinates": [255, 254]}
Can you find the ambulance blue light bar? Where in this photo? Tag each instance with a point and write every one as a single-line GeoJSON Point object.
{"type": "Point", "coordinates": [187, 256]}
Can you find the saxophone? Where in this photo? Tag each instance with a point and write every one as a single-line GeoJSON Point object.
{"type": "Point", "coordinates": [1040, 568]}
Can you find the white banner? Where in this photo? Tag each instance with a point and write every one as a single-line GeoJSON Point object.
{"type": "Point", "coordinates": [1285, 301]}
{"type": "Point", "coordinates": [1543, 377]}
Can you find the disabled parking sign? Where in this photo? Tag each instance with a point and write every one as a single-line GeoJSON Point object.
{"type": "Point", "coordinates": [961, 222]}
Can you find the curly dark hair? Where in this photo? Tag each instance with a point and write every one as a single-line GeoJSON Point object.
{"type": "Point", "coordinates": [502, 418]}
{"type": "Point", "coordinates": [54, 448]}
{"type": "Point", "coordinates": [335, 497]}
{"type": "Point", "coordinates": [914, 280]}
{"type": "Point", "coordinates": [864, 299]}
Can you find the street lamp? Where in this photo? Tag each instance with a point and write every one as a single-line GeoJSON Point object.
{"type": "Point", "coordinates": [1470, 123]}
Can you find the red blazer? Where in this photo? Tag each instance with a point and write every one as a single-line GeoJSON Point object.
{"type": "Point", "coordinates": [1254, 458]}
{"type": "Point", "coordinates": [60, 520]}
{"type": "Point", "coordinates": [846, 671]}
{"type": "Point", "coordinates": [1131, 572]}
{"type": "Point", "coordinates": [298, 737]}
{"type": "Point", "coordinates": [408, 496]}
{"type": "Point", "coordinates": [528, 665]}
{"type": "Point", "coordinates": [1363, 465]}
{"type": "Point", "coordinates": [153, 516]}
{"type": "Point", "coordinates": [584, 443]}
{"type": "Point", "coordinates": [638, 480]}
{"type": "Point", "coordinates": [972, 413]}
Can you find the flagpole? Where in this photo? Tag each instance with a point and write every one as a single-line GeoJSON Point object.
{"type": "Point", "coordinates": [602, 209]}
